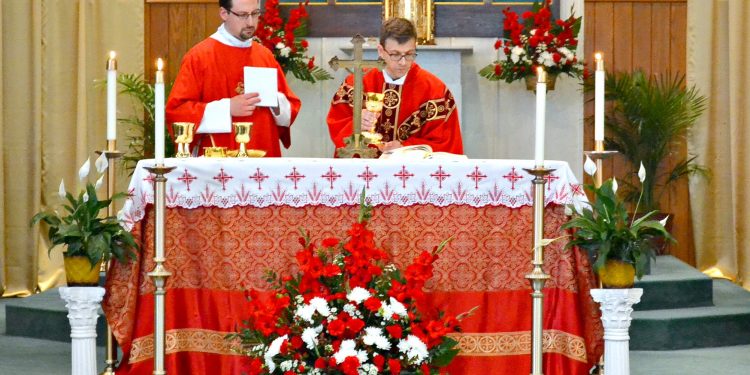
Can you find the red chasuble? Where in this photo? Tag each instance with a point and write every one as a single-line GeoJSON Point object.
{"type": "Point", "coordinates": [421, 111]}
{"type": "Point", "coordinates": [212, 71]}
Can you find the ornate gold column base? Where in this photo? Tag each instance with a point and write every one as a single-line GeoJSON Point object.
{"type": "Point", "coordinates": [537, 278]}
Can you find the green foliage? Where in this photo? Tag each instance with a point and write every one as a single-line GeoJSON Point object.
{"type": "Point", "coordinates": [606, 230]}
{"type": "Point", "coordinates": [140, 136]}
{"type": "Point", "coordinates": [649, 117]}
{"type": "Point", "coordinates": [84, 232]}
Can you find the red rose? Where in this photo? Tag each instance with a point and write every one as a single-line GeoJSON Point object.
{"type": "Point", "coordinates": [350, 366]}
{"type": "Point", "coordinates": [320, 363]}
{"type": "Point", "coordinates": [373, 304]}
{"type": "Point", "coordinates": [395, 366]}
{"type": "Point", "coordinates": [395, 331]}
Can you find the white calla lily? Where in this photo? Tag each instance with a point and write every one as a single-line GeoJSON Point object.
{"type": "Point", "coordinates": [99, 182]}
{"type": "Point", "coordinates": [101, 163]}
{"type": "Point", "coordinates": [642, 173]}
{"type": "Point", "coordinates": [663, 221]}
{"type": "Point", "coordinates": [86, 197]}
{"type": "Point", "coordinates": [84, 170]}
{"type": "Point", "coordinates": [589, 166]}
{"type": "Point", "coordinates": [614, 185]}
{"type": "Point", "coordinates": [61, 191]}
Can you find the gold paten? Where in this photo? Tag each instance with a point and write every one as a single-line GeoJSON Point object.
{"type": "Point", "coordinates": [215, 152]}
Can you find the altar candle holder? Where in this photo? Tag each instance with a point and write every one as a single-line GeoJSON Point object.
{"type": "Point", "coordinates": [242, 136]}
{"type": "Point", "coordinates": [112, 156]}
{"type": "Point", "coordinates": [160, 273]}
{"type": "Point", "coordinates": [537, 278]}
{"type": "Point", "coordinates": [598, 155]}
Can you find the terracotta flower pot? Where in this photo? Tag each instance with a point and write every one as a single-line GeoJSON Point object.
{"type": "Point", "coordinates": [531, 82]}
{"type": "Point", "coordinates": [617, 274]}
{"type": "Point", "coordinates": [78, 271]}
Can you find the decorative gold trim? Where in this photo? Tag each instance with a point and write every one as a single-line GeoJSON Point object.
{"type": "Point", "coordinates": [185, 340]}
{"type": "Point", "coordinates": [519, 343]}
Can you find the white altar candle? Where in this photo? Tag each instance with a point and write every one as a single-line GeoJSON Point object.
{"type": "Point", "coordinates": [111, 97]}
{"type": "Point", "coordinates": [541, 93]}
{"type": "Point", "coordinates": [159, 113]}
{"type": "Point", "coordinates": [599, 99]}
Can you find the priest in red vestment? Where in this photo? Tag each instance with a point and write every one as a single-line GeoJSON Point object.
{"type": "Point", "coordinates": [209, 89]}
{"type": "Point", "coordinates": [417, 106]}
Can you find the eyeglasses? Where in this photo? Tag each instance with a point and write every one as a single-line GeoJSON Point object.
{"type": "Point", "coordinates": [395, 56]}
{"type": "Point", "coordinates": [245, 16]}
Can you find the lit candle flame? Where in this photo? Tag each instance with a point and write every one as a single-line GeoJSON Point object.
{"type": "Point", "coordinates": [112, 55]}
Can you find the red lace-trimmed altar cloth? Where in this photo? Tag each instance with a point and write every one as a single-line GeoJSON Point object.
{"type": "Point", "coordinates": [229, 221]}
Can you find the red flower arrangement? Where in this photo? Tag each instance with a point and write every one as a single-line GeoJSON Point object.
{"type": "Point", "coordinates": [285, 38]}
{"type": "Point", "coordinates": [535, 39]}
{"type": "Point", "coordinates": [348, 312]}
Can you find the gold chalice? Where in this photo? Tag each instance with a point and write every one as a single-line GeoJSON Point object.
{"type": "Point", "coordinates": [183, 135]}
{"type": "Point", "coordinates": [242, 136]}
{"type": "Point", "coordinates": [374, 104]}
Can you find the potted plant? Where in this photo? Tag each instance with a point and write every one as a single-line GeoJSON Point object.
{"type": "Point", "coordinates": [536, 39]}
{"type": "Point", "coordinates": [89, 238]}
{"type": "Point", "coordinates": [649, 116]}
{"type": "Point", "coordinates": [619, 244]}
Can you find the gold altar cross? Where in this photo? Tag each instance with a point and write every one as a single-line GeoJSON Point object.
{"type": "Point", "coordinates": [355, 145]}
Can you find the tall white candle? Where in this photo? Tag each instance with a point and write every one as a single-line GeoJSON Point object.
{"type": "Point", "coordinates": [159, 113]}
{"type": "Point", "coordinates": [111, 97]}
{"type": "Point", "coordinates": [541, 94]}
{"type": "Point", "coordinates": [599, 99]}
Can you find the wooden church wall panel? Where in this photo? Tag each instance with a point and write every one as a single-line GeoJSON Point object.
{"type": "Point", "coordinates": [178, 38]}
{"type": "Point", "coordinates": [650, 34]}
{"type": "Point", "coordinates": [157, 37]}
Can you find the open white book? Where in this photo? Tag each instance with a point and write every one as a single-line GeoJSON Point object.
{"type": "Point", "coordinates": [419, 152]}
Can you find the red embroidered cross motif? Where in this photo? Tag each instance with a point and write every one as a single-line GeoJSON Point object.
{"type": "Point", "coordinates": [512, 177]}
{"type": "Point", "coordinates": [550, 178]}
{"type": "Point", "coordinates": [367, 176]}
{"type": "Point", "coordinates": [440, 175]}
{"type": "Point", "coordinates": [477, 176]}
{"type": "Point", "coordinates": [223, 178]}
{"type": "Point", "coordinates": [150, 178]}
{"type": "Point", "coordinates": [259, 177]}
{"type": "Point", "coordinates": [187, 178]}
{"type": "Point", "coordinates": [331, 176]}
{"type": "Point", "coordinates": [295, 176]}
{"type": "Point", "coordinates": [404, 176]}
{"type": "Point", "coordinates": [576, 189]}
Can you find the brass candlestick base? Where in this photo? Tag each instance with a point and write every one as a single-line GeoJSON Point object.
{"type": "Point", "coordinates": [537, 278]}
{"type": "Point", "coordinates": [160, 273]}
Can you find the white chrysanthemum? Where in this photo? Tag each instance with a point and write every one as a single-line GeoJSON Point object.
{"type": "Point", "coordinates": [285, 51]}
{"type": "Point", "coordinates": [321, 306]}
{"type": "Point", "coordinates": [398, 308]}
{"type": "Point", "coordinates": [358, 295]}
{"type": "Point", "coordinates": [61, 191]}
{"type": "Point", "coordinates": [84, 170]}
{"type": "Point", "coordinates": [310, 336]}
{"type": "Point", "coordinates": [515, 53]}
{"type": "Point", "coordinates": [280, 45]}
{"type": "Point", "coordinates": [305, 312]}
{"type": "Point", "coordinates": [414, 349]}
{"type": "Point", "coordinates": [566, 52]}
{"type": "Point", "coordinates": [545, 58]}
{"type": "Point", "coordinates": [374, 336]}
{"type": "Point", "coordinates": [346, 349]}
{"type": "Point", "coordinates": [101, 163]}
{"type": "Point", "coordinates": [272, 351]}
{"type": "Point", "coordinates": [386, 311]}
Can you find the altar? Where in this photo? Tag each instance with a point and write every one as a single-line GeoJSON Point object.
{"type": "Point", "coordinates": [229, 221]}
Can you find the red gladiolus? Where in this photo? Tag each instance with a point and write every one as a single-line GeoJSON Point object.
{"type": "Point", "coordinates": [498, 69]}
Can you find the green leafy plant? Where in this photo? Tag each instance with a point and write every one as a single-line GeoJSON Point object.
{"type": "Point", "coordinates": [81, 227]}
{"type": "Point", "coordinates": [140, 135]}
{"type": "Point", "coordinates": [607, 231]}
{"type": "Point", "coordinates": [648, 118]}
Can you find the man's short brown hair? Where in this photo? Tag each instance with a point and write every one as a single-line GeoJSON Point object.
{"type": "Point", "coordinates": [400, 29]}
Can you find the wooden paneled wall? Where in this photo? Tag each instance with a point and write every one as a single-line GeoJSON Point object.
{"type": "Point", "coordinates": [650, 35]}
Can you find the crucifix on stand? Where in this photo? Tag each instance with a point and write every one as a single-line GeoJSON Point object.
{"type": "Point", "coordinates": [356, 145]}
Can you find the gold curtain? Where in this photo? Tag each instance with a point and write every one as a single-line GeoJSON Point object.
{"type": "Point", "coordinates": [718, 65]}
{"type": "Point", "coordinates": [53, 115]}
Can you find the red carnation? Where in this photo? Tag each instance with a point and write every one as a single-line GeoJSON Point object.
{"type": "Point", "coordinates": [320, 363]}
{"type": "Point", "coordinates": [395, 366]}
{"type": "Point", "coordinates": [296, 342]}
{"type": "Point", "coordinates": [355, 325]}
{"type": "Point", "coordinates": [395, 331]}
{"type": "Point", "coordinates": [304, 44]}
{"type": "Point", "coordinates": [350, 366]}
{"type": "Point", "coordinates": [373, 304]}
{"type": "Point", "coordinates": [556, 57]}
{"type": "Point", "coordinates": [378, 360]}
{"type": "Point", "coordinates": [336, 328]}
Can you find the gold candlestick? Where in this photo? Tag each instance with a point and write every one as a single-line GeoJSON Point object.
{"type": "Point", "coordinates": [537, 278]}
{"type": "Point", "coordinates": [112, 155]}
{"type": "Point", "coordinates": [242, 136]}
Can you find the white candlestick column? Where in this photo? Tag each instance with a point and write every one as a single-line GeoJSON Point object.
{"type": "Point", "coordinates": [83, 306]}
{"type": "Point", "coordinates": [541, 111]}
{"type": "Point", "coordinates": [599, 78]}
{"type": "Point", "coordinates": [159, 114]}
{"type": "Point", "coordinates": [111, 97]}
{"type": "Point", "coordinates": [617, 306]}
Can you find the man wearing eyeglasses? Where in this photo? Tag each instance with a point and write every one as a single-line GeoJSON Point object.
{"type": "Point", "coordinates": [417, 106]}
{"type": "Point", "coordinates": [209, 89]}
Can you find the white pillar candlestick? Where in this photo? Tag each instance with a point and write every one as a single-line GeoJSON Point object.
{"type": "Point", "coordinates": [599, 99]}
{"type": "Point", "coordinates": [83, 310]}
{"type": "Point", "coordinates": [616, 306]}
{"type": "Point", "coordinates": [159, 113]}
{"type": "Point", "coordinates": [111, 97]}
{"type": "Point", "coordinates": [541, 94]}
